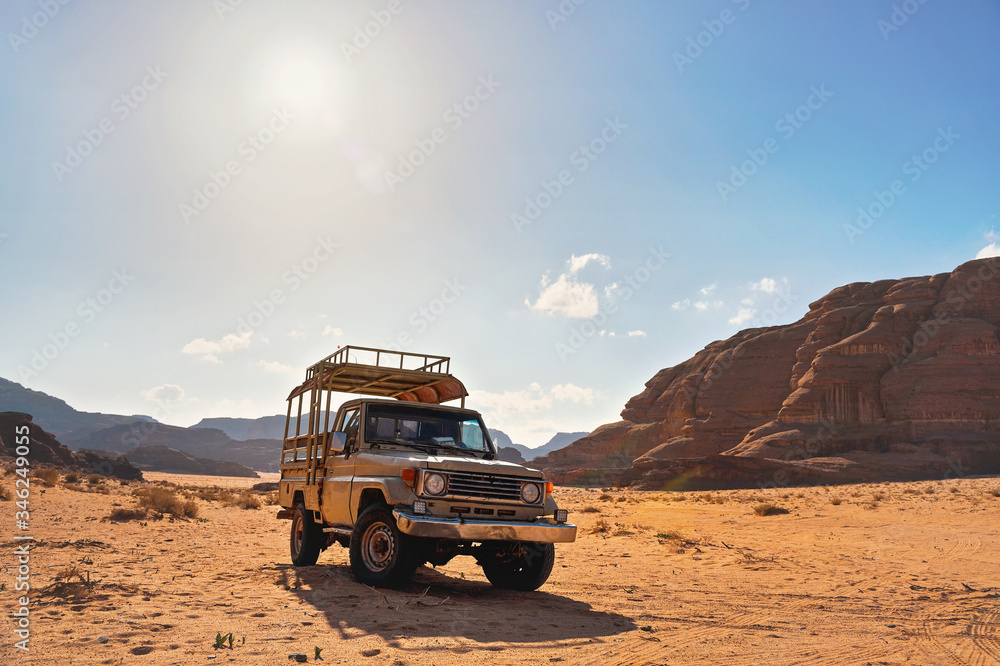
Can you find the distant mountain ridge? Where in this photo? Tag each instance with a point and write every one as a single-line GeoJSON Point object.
{"type": "Point", "coordinates": [265, 427]}
{"type": "Point", "coordinates": [56, 416]}
{"type": "Point", "coordinates": [558, 441]}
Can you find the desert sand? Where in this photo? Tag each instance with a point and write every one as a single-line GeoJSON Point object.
{"type": "Point", "coordinates": [900, 573]}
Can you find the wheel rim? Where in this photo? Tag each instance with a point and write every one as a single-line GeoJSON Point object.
{"type": "Point", "coordinates": [378, 547]}
{"type": "Point", "coordinates": [297, 536]}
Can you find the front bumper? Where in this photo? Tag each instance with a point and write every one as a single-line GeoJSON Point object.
{"type": "Point", "coordinates": [542, 530]}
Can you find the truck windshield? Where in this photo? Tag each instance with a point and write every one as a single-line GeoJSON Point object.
{"type": "Point", "coordinates": [404, 424]}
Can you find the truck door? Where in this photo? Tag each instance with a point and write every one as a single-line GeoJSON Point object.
{"type": "Point", "coordinates": [340, 472]}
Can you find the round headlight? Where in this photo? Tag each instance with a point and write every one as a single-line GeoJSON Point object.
{"type": "Point", "coordinates": [434, 484]}
{"type": "Point", "coordinates": [530, 492]}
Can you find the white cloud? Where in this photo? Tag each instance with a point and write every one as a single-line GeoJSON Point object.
{"type": "Point", "coordinates": [682, 305]}
{"type": "Point", "coordinates": [992, 236]}
{"type": "Point", "coordinates": [744, 315]}
{"type": "Point", "coordinates": [299, 332]}
{"type": "Point", "coordinates": [766, 285]}
{"type": "Point", "coordinates": [335, 332]}
{"type": "Point", "coordinates": [512, 402]}
{"type": "Point", "coordinates": [208, 349]}
{"type": "Point", "coordinates": [636, 334]}
{"type": "Point", "coordinates": [577, 264]}
{"type": "Point", "coordinates": [705, 305]}
{"type": "Point", "coordinates": [567, 297]}
{"type": "Point", "coordinates": [274, 366]}
{"type": "Point", "coordinates": [165, 393]}
{"type": "Point", "coordinates": [991, 250]}
{"type": "Point", "coordinates": [573, 393]}
{"type": "Point", "coordinates": [709, 289]}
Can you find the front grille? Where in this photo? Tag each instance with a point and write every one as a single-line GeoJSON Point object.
{"type": "Point", "coordinates": [465, 484]}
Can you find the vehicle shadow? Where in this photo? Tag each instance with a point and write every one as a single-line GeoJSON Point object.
{"type": "Point", "coordinates": [464, 614]}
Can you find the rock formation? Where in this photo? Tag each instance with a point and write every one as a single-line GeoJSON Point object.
{"type": "Point", "coordinates": [46, 450]}
{"type": "Point", "coordinates": [878, 381]}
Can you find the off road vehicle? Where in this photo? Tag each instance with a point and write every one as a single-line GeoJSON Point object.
{"type": "Point", "coordinates": [402, 480]}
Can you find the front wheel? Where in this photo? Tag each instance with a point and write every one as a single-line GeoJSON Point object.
{"type": "Point", "coordinates": [307, 538]}
{"type": "Point", "coordinates": [524, 566]}
{"type": "Point", "coordinates": [381, 555]}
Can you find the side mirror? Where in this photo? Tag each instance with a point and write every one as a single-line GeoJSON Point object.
{"type": "Point", "coordinates": [338, 442]}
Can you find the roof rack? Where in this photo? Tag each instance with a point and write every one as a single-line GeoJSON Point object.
{"type": "Point", "coordinates": [386, 373]}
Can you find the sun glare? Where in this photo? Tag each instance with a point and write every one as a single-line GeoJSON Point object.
{"type": "Point", "coordinates": [310, 83]}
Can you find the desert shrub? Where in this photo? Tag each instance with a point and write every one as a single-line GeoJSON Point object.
{"type": "Point", "coordinates": [72, 477]}
{"type": "Point", "coordinates": [189, 509]}
{"type": "Point", "coordinates": [929, 490]}
{"type": "Point", "coordinates": [995, 492]}
{"type": "Point", "coordinates": [878, 497]}
{"type": "Point", "coordinates": [122, 514]}
{"type": "Point", "coordinates": [767, 509]}
{"type": "Point", "coordinates": [94, 479]}
{"type": "Point", "coordinates": [248, 501]}
{"type": "Point", "coordinates": [835, 501]}
{"type": "Point", "coordinates": [5, 494]}
{"type": "Point", "coordinates": [621, 499]}
{"type": "Point", "coordinates": [590, 509]}
{"type": "Point", "coordinates": [47, 475]}
{"type": "Point", "coordinates": [605, 497]}
{"type": "Point", "coordinates": [163, 500]}
{"type": "Point", "coordinates": [911, 491]}
{"type": "Point", "coordinates": [601, 526]}
{"type": "Point", "coordinates": [953, 489]}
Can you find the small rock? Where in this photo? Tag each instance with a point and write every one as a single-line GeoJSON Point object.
{"type": "Point", "coordinates": [299, 657]}
{"type": "Point", "coordinates": [370, 653]}
{"type": "Point", "coordinates": [647, 628]}
{"type": "Point", "coordinates": [891, 626]}
{"type": "Point", "coordinates": [102, 639]}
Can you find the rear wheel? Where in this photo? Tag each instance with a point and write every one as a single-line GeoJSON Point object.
{"type": "Point", "coordinates": [307, 538]}
{"type": "Point", "coordinates": [381, 555]}
{"type": "Point", "coordinates": [522, 566]}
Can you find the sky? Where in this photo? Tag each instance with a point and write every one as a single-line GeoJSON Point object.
{"type": "Point", "coordinates": [203, 197]}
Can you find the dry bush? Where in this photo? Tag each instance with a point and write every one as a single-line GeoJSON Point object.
{"type": "Point", "coordinates": [214, 494]}
{"type": "Point", "coordinates": [47, 475]}
{"type": "Point", "coordinates": [72, 477]}
{"type": "Point", "coordinates": [878, 497]}
{"type": "Point", "coordinates": [929, 490]}
{"type": "Point", "coordinates": [601, 527]}
{"type": "Point", "coordinates": [953, 489]}
{"type": "Point", "coordinates": [248, 501]}
{"type": "Point", "coordinates": [605, 497]}
{"type": "Point", "coordinates": [995, 492]}
{"type": "Point", "coordinates": [163, 501]}
{"type": "Point", "coordinates": [121, 514]}
{"type": "Point", "coordinates": [621, 499]}
{"type": "Point", "coordinates": [768, 509]}
{"type": "Point", "coordinates": [911, 491]}
{"type": "Point", "coordinates": [5, 494]}
{"type": "Point", "coordinates": [590, 509]}
{"type": "Point", "coordinates": [8, 470]}
{"type": "Point", "coordinates": [835, 501]}
{"type": "Point", "coordinates": [94, 479]}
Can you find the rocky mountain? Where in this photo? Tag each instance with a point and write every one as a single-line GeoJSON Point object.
{"type": "Point", "coordinates": [57, 417]}
{"type": "Point", "coordinates": [265, 427]}
{"type": "Point", "coordinates": [162, 458]}
{"type": "Point", "coordinates": [558, 441]}
{"type": "Point", "coordinates": [258, 454]}
{"type": "Point", "coordinates": [45, 449]}
{"type": "Point", "coordinates": [887, 380]}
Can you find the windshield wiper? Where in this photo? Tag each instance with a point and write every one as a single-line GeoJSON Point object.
{"type": "Point", "coordinates": [426, 448]}
{"type": "Point", "coordinates": [461, 449]}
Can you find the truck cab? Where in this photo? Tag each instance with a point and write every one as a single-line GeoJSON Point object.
{"type": "Point", "coordinates": [403, 480]}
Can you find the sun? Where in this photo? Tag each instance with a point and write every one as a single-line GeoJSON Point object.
{"type": "Point", "coordinates": [309, 82]}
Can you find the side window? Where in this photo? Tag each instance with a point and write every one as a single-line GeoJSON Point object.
{"type": "Point", "coordinates": [350, 426]}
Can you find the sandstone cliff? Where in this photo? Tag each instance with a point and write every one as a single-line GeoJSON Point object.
{"type": "Point", "coordinates": [878, 381]}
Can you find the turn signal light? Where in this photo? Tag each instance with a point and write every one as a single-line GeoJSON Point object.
{"type": "Point", "coordinates": [549, 487]}
{"type": "Point", "coordinates": [409, 476]}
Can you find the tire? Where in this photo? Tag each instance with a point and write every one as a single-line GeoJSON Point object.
{"type": "Point", "coordinates": [525, 569]}
{"type": "Point", "coordinates": [306, 540]}
{"type": "Point", "coordinates": [381, 555]}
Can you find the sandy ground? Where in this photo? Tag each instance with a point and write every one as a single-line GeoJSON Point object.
{"type": "Point", "coordinates": [871, 574]}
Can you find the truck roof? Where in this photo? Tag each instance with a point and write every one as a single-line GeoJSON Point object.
{"type": "Point", "coordinates": [385, 373]}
